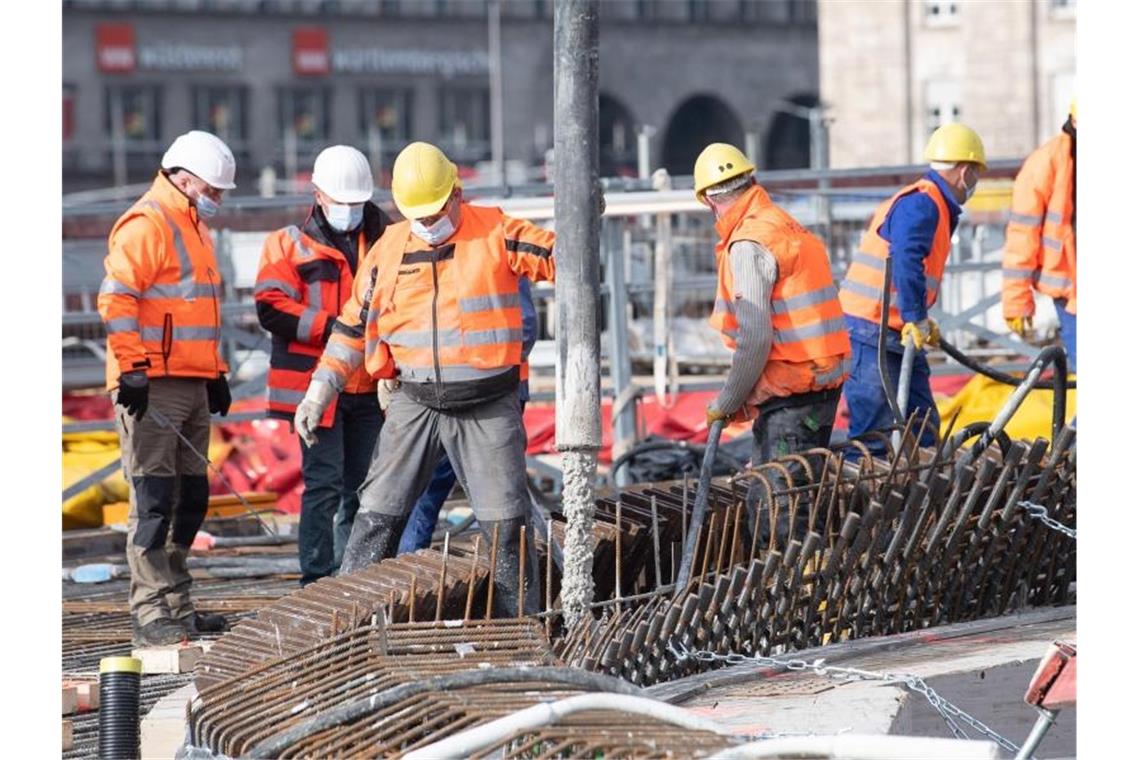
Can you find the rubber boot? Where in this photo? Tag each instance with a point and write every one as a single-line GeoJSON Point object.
{"type": "Point", "coordinates": [374, 537]}
{"type": "Point", "coordinates": [506, 570]}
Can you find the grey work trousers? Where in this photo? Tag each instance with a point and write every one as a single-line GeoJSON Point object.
{"type": "Point", "coordinates": [169, 494]}
{"type": "Point", "coordinates": [486, 445]}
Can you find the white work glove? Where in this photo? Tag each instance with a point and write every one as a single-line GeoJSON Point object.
{"type": "Point", "coordinates": [309, 412]}
{"type": "Point", "coordinates": [384, 390]}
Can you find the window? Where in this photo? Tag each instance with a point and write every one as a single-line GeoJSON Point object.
{"type": "Point", "coordinates": [942, 104]}
{"type": "Point", "coordinates": [941, 12]}
{"type": "Point", "coordinates": [222, 110]}
{"type": "Point", "coordinates": [465, 123]}
{"type": "Point", "coordinates": [386, 117]}
{"type": "Point", "coordinates": [305, 111]}
{"type": "Point", "coordinates": [132, 113]}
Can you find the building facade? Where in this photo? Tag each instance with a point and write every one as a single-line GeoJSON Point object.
{"type": "Point", "coordinates": [281, 80]}
{"type": "Point", "coordinates": [891, 72]}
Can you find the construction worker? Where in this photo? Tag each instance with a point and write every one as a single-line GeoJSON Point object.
{"type": "Point", "coordinates": [435, 314]}
{"type": "Point", "coordinates": [305, 277]}
{"type": "Point", "coordinates": [160, 306]}
{"type": "Point", "coordinates": [425, 513]}
{"type": "Point", "coordinates": [913, 227]}
{"type": "Point", "coordinates": [776, 309]}
{"type": "Point", "coordinates": [1041, 239]}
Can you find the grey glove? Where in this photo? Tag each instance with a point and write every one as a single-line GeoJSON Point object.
{"type": "Point", "coordinates": [309, 412]}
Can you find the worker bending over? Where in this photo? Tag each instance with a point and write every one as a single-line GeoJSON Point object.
{"type": "Point", "coordinates": [160, 306]}
{"type": "Point", "coordinates": [304, 280]}
{"type": "Point", "coordinates": [913, 227]}
{"type": "Point", "coordinates": [777, 310]}
{"type": "Point", "coordinates": [1041, 239]}
{"type": "Point", "coordinates": [435, 313]}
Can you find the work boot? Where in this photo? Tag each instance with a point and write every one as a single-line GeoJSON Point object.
{"type": "Point", "coordinates": [506, 570]}
{"type": "Point", "coordinates": [157, 633]}
{"type": "Point", "coordinates": [374, 537]}
{"type": "Point", "coordinates": [203, 622]}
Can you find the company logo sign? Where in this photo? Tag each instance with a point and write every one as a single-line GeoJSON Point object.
{"type": "Point", "coordinates": [115, 48]}
{"type": "Point", "coordinates": [117, 53]}
{"type": "Point", "coordinates": [310, 51]}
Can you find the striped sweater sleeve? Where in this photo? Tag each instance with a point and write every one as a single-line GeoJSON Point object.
{"type": "Point", "coordinates": [754, 274]}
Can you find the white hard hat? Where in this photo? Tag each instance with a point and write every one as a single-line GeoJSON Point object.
{"type": "Point", "coordinates": [343, 174]}
{"type": "Point", "coordinates": [205, 156]}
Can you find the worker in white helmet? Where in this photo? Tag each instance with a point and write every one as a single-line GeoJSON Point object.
{"type": "Point", "coordinates": [160, 306]}
{"type": "Point", "coordinates": [304, 279]}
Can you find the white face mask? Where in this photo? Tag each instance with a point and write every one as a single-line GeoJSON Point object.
{"type": "Point", "coordinates": [343, 217]}
{"type": "Point", "coordinates": [437, 232]}
{"type": "Point", "coordinates": [969, 189]}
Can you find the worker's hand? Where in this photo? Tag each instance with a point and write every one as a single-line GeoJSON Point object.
{"type": "Point", "coordinates": [309, 412]}
{"type": "Point", "coordinates": [921, 333]}
{"type": "Point", "coordinates": [1019, 325]}
{"type": "Point", "coordinates": [384, 390]}
{"type": "Point", "coordinates": [712, 414]}
{"type": "Point", "coordinates": [134, 393]}
{"type": "Point", "coordinates": [218, 395]}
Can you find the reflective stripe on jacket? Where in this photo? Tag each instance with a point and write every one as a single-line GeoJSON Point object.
{"type": "Point", "coordinates": [862, 289]}
{"type": "Point", "coordinates": [1040, 242]}
{"type": "Point", "coordinates": [810, 349]}
{"type": "Point", "coordinates": [445, 314]}
{"type": "Point", "coordinates": [302, 284]}
{"type": "Point", "coordinates": [160, 299]}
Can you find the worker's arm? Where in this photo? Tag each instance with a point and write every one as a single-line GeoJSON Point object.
{"type": "Point", "coordinates": [530, 249]}
{"type": "Point", "coordinates": [278, 295]}
{"type": "Point", "coordinates": [909, 228]}
{"type": "Point", "coordinates": [1021, 257]}
{"type": "Point", "coordinates": [754, 273]}
{"type": "Point", "coordinates": [134, 257]}
{"type": "Point", "coordinates": [529, 317]}
{"type": "Point", "coordinates": [344, 352]}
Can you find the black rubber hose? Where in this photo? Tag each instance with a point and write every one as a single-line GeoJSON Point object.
{"type": "Point", "coordinates": [997, 375]}
{"type": "Point", "coordinates": [644, 448]}
{"type": "Point", "coordinates": [979, 428]}
{"type": "Point", "coordinates": [1056, 355]}
{"type": "Point", "coordinates": [700, 503]}
{"type": "Point", "coordinates": [884, 324]}
{"type": "Point", "coordinates": [275, 745]}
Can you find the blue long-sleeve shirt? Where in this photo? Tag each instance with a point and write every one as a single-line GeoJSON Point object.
{"type": "Point", "coordinates": [909, 228]}
{"type": "Point", "coordinates": [529, 329]}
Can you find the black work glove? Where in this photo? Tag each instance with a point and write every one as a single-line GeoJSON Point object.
{"type": "Point", "coordinates": [218, 395]}
{"type": "Point", "coordinates": [134, 393]}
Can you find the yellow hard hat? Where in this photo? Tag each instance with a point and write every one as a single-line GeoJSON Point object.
{"type": "Point", "coordinates": [953, 143]}
{"type": "Point", "coordinates": [422, 180]}
{"type": "Point", "coordinates": [717, 163]}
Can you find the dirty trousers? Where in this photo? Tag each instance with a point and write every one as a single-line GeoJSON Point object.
{"type": "Point", "coordinates": [485, 443]}
{"type": "Point", "coordinates": [169, 493]}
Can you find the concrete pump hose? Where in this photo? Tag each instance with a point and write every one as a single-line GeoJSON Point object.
{"type": "Point", "coordinates": [866, 747]}
{"type": "Point", "coordinates": [482, 737]}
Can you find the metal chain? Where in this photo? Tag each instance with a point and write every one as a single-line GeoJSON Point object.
{"type": "Point", "coordinates": [950, 712]}
{"type": "Point", "coordinates": [1041, 514]}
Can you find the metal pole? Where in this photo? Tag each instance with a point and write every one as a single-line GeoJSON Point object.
{"type": "Point", "coordinates": [578, 372]}
{"type": "Point", "coordinates": [624, 414]}
{"type": "Point", "coordinates": [752, 146]}
{"type": "Point", "coordinates": [819, 162]}
{"type": "Point", "coordinates": [643, 136]}
{"type": "Point", "coordinates": [1045, 720]}
{"type": "Point", "coordinates": [376, 152]}
{"type": "Point", "coordinates": [495, 49]}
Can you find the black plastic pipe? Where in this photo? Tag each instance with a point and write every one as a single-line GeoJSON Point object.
{"type": "Point", "coordinates": [119, 708]}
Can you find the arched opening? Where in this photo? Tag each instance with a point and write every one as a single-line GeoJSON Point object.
{"type": "Point", "coordinates": [617, 138]}
{"type": "Point", "coordinates": [788, 145]}
{"type": "Point", "coordinates": [700, 120]}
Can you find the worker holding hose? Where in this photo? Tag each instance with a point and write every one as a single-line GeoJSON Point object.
{"type": "Point", "coordinates": [1041, 239]}
{"type": "Point", "coordinates": [913, 227]}
{"type": "Point", "coordinates": [778, 312]}
{"type": "Point", "coordinates": [435, 314]}
{"type": "Point", "coordinates": [160, 303]}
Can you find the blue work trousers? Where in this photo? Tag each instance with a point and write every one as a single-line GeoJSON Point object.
{"type": "Point", "coordinates": [1068, 332]}
{"type": "Point", "coordinates": [333, 469]}
{"type": "Point", "coordinates": [867, 403]}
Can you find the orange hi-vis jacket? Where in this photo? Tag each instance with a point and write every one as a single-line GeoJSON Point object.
{"type": "Point", "coordinates": [160, 300]}
{"type": "Point", "coordinates": [442, 315]}
{"type": "Point", "coordinates": [1040, 241]}
{"type": "Point", "coordinates": [861, 291]}
{"type": "Point", "coordinates": [810, 348]}
{"type": "Point", "coordinates": [308, 282]}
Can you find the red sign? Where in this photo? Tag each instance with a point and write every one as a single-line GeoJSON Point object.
{"type": "Point", "coordinates": [115, 48]}
{"type": "Point", "coordinates": [310, 51]}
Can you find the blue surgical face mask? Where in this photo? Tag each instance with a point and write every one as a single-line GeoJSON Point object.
{"type": "Point", "coordinates": [343, 217]}
{"type": "Point", "coordinates": [436, 233]}
{"type": "Point", "coordinates": [206, 206]}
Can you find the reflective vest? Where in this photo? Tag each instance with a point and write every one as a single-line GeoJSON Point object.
{"type": "Point", "coordinates": [444, 314]}
{"type": "Point", "coordinates": [861, 291]}
{"type": "Point", "coordinates": [1040, 242]}
{"type": "Point", "coordinates": [810, 348]}
{"type": "Point", "coordinates": [310, 281]}
{"type": "Point", "coordinates": [160, 297]}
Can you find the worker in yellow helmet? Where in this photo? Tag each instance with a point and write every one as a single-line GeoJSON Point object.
{"type": "Point", "coordinates": [1041, 239]}
{"type": "Point", "coordinates": [913, 227]}
{"type": "Point", "coordinates": [435, 314]}
{"type": "Point", "coordinates": [777, 311]}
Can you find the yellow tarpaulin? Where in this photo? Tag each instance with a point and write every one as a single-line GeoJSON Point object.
{"type": "Point", "coordinates": [982, 398]}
